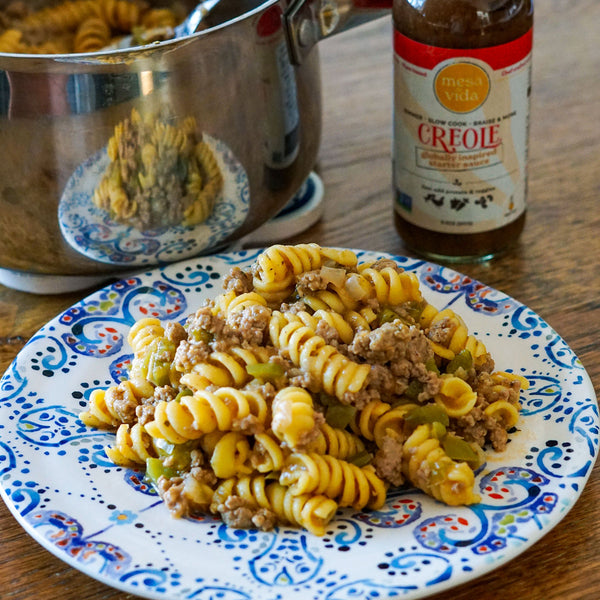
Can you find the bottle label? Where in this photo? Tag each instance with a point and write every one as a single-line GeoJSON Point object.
{"type": "Point", "coordinates": [461, 129]}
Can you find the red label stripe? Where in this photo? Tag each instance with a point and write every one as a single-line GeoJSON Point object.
{"type": "Point", "coordinates": [497, 57]}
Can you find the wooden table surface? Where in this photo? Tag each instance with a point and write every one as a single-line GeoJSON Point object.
{"type": "Point", "coordinates": [553, 270]}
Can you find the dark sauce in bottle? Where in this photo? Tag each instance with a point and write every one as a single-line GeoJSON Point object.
{"type": "Point", "coordinates": [461, 113]}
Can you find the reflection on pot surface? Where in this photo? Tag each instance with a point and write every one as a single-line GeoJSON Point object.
{"type": "Point", "coordinates": [83, 168]}
{"type": "Point", "coordinates": [160, 173]}
{"type": "Point", "coordinates": [124, 235]}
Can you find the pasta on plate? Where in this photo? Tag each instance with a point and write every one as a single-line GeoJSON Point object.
{"type": "Point", "coordinates": [311, 383]}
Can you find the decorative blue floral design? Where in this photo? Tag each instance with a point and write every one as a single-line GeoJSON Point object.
{"type": "Point", "coordinates": [585, 425]}
{"type": "Point", "coordinates": [561, 354]}
{"type": "Point", "coordinates": [525, 321]}
{"type": "Point", "coordinates": [544, 394]}
{"type": "Point", "coordinates": [122, 517]}
{"type": "Point", "coordinates": [286, 561]}
{"type": "Point", "coordinates": [399, 512]}
{"type": "Point", "coordinates": [511, 495]}
{"type": "Point", "coordinates": [12, 384]}
{"type": "Point", "coordinates": [51, 426]}
{"type": "Point", "coordinates": [66, 534]}
{"type": "Point", "coordinates": [218, 593]}
{"type": "Point", "coordinates": [122, 303]}
{"type": "Point", "coordinates": [8, 460]}
{"type": "Point", "coordinates": [108, 522]}
{"type": "Point", "coordinates": [478, 297]}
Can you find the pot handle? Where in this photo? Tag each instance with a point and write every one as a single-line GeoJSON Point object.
{"type": "Point", "coordinates": [309, 21]}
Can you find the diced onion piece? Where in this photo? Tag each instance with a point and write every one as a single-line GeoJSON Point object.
{"type": "Point", "coordinates": [354, 287]}
{"type": "Point", "coordinates": [333, 275]}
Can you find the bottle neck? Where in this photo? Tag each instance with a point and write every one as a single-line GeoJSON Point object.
{"type": "Point", "coordinates": [463, 23]}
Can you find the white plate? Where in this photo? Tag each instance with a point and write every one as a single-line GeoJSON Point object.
{"type": "Point", "coordinates": [102, 520]}
{"type": "Point", "coordinates": [90, 230]}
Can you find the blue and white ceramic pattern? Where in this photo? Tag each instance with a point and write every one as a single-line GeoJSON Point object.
{"type": "Point", "coordinates": [105, 521]}
{"type": "Point", "coordinates": [90, 230]}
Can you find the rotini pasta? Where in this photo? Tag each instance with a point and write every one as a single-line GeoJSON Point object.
{"type": "Point", "coordinates": [449, 335]}
{"type": "Point", "coordinates": [278, 265]}
{"type": "Point", "coordinates": [267, 453]}
{"type": "Point", "coordinates": [224, 368]}
{"type": "Point", "coordinates": [83, 26]}
{"type": "Point", "coordinates": [428, 467]}
{"type": "Point", "coordinates": [313, 512]}
{"type": "Point", "coordinates": [337, 479]}
{"type": "Point", "coordinates": [336, 374]}
{"type": "Point", "coordinates": [159, 17]}
{"type": "Point", "coordinates": [334, 298]}
{"type": "Point", "coordinates": [10, 41]}
{"type": "Point", "coordinates": [337, 442]}
{"type": "Point", "coordinates": [311, 383]}
{"type": "Point", "coordinates": [121, 15]}
{"type": "Point", "coordinates": [109, 408]}
{"type": "Point", "coordinates": [293, 417]}
{"type": "Point", "coordinates": [231, 456]}
{"type": "Point", "coordinates": [366, 419]}
{"type": "Point", "coordinates": [230, 303]}
{"type": "Point", "coordinates": [64, 16]}
{"type": "Point", "coordinates": [92, 35]}
{"type": "Point", "coordinates": [133, 446]}
{"type": "Point", "coordinates": [389, 285]}
{"type": "Point", "coordinates": [456, 396]}
{"type": "Point", "coordinates": [203, 412]}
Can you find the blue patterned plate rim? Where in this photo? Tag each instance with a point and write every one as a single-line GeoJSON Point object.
{"type": "Point", "coordinates": [104, 521]}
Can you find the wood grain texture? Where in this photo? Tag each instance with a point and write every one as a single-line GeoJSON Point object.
{"type": "Point", "coordinates": [553, 270]}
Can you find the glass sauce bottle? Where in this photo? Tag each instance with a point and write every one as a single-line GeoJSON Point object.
{"type": "Point", "coordinates": [462, 82]}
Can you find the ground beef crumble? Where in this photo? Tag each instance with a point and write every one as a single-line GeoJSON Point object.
{"type": "Point", "coordinates": [204, 322]}
{"type": "Point", "coordinates": [252, 324]}
{"type": "Point", "coordinates": [311, 281]}
{"type": "Point", "coordinates": [145, 411]}
{"type": "Point", "coordinates": [398, 354]}
{"type": "Point", "coordinates": [391, 343]}
{"type": "Point", "coordinates": [175, 332]}
{"type": "Point", "coordinates": [480, 428]}
{"type": "Point", "coordinates": [189, 354]}
{"type": "Point", "coordinates": [388, 459]}
{"type": "Point", "coordinates": [386, 263]}
{"type": "Point", "coordinates": [173, 490]}
{"type": "Point", "coordinates": [239, 281]}
{"type": "Point", "coordinates": [328, 333]}
{"type": "Point", "coordinates": [239, 513]}
{"type": "Point", "coordinates": [441, 331]}
{"type": "Point", "coordinates": [123, 402]}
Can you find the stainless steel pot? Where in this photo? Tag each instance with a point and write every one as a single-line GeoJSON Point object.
{"type": "Point", "coordinates": [251, 81]}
